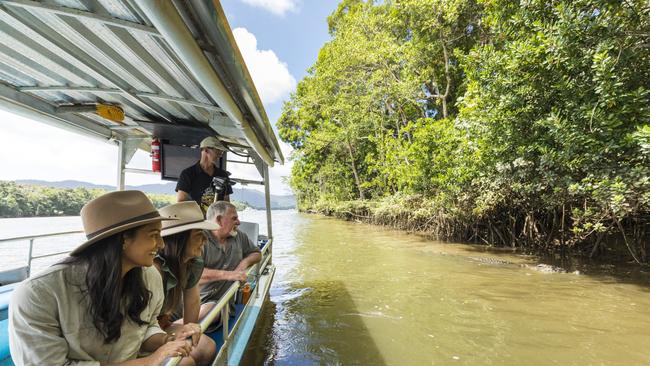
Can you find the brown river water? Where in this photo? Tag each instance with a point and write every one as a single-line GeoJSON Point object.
{"type": "Point", "coordinates": [355, 294]}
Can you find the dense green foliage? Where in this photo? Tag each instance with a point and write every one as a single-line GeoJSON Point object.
{"type": "Point", "coordinates": [521, 123]}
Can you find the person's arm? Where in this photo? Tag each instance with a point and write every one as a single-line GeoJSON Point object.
{"type": "Point", "coordinates": [191, 305]}
{"type": "Point", "coordinates": [250, 259]}
{"type": "Point", "coordinates": [229, 190]}
{"type": "Point", "coordinates": [250, 251]}
{"type": "Point", "coordinates": [35, 331]}
{"type": "Point", "coordinates": [211, 275]}
{"type": "Point", "coordinates": [164, 347]}
{"type": "Point", "coordinates": [184, 186]}
{"type": "Point", "coordinates": [182, 196]}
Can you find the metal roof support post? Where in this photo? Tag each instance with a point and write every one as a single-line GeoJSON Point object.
{"type": "Point", "coordinates": [169, 23]}
{"type": "Point", "coordinates": [121, 162]}
{"type": "Point", "coordinates": [267, 197]}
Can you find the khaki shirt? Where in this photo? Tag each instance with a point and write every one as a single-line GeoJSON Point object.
{"type": "Point", "coordinates": [49, 322]}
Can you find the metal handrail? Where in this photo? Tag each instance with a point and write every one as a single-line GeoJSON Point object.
{"type": "Point", "coordinates": [31, 239]}
{"type": "Point", "coordinates": [220, 306]}
{"type": "Point", "coordinates": [17, 238]}
{"type": "Point", "coordinates": [206, 321]}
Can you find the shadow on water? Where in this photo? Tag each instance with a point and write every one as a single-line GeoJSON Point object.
{"type": "Point", "coordinates": [602, 270]}
{"type": "Point", "coordinates": [262, 349]}
{"type": "Point", "coordinates": [313, 323]}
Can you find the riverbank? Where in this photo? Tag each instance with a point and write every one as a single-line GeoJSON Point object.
{"type": "Point", "coordinates": [24, 200]}
{"type": "Point", "coordinates": [560, 240]}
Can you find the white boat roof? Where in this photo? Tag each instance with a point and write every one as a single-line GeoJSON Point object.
{"type": "Point", "coordinates": [172, 66]}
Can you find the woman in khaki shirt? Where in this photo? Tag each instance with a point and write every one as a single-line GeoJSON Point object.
{"type": "Point", "coordinates": [180, 265]}
{"type": "Point", "coordinates": [98, 306]}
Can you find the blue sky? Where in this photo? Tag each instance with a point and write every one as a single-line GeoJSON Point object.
{"type": "Point", "coordinates": [295, 36]}
{"type": "Point", "coordinates": [279, 40]}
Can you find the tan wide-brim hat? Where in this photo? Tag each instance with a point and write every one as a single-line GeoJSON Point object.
{"type": "Point", "coordinates": [113, 213]}
{"type": "Point", "coordinates": [188, 216]}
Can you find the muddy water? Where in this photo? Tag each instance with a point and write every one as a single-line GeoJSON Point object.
{"type": "Point", "coordinates": [354, 294]}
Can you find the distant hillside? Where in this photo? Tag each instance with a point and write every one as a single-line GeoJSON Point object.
{"type": "Point", "coordinates": [251, 197]}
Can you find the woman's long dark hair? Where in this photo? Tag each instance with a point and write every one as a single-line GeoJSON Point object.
{"type": "Point", "coordinates": [173, 254]}
{"type": "Point", "coordinates": [107, 291]}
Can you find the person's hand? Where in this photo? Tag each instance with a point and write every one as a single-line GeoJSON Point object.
{"type": "Point", "coordinates": [179, 348]}
{"type": "Point", "coordinates": [190, 330]}
{"type": "Point", "coordinates": [237, 276]}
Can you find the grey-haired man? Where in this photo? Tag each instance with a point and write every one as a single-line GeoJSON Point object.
{"type": "Point", "coordinates": [227, 254]}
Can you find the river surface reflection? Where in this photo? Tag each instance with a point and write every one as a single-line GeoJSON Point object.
{"type": "Point", "coordinates": [354, 294]}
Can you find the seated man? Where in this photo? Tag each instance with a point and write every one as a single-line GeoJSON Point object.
{"type": "Point", "coordinates": [196, 182]}
{"type": "Point", "coordinates": [227, 254]}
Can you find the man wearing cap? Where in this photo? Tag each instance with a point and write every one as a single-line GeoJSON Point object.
{"type": "Point", "coordinates": [196, 182]}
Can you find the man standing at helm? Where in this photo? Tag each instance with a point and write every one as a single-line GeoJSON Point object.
{"type": "Point", "coordinates": [196, 182]}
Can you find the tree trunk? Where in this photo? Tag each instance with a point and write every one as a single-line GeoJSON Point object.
{"type": "Point", "coordinates": [354, 169]}
{"type": "Point", "coordinates": [448, 77]}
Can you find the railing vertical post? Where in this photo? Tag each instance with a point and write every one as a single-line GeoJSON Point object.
{"type": "Point", "coordinates": [258, 267]}
{"type": "Point", "coordinates": [267, 196]}
{"type": "Point", "coordinates": [29, 259]}
{"type": "Point", "coordinates": [121, 162]}
{"type": "Point", "coordinates": [224, 321]}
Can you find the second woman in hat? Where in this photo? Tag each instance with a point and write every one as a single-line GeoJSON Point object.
{"type": "Point", "coordinates": [180, 264]}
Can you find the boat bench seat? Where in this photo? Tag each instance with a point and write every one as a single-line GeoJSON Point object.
{"type": "Point", "coordinates": [251, 229]}
{"type": "Point", "coordinates": [13, 275]}
{"type": "Point", "coordinates": [4, 341]}
{"type": "Point", "coordinates": [5, 296]}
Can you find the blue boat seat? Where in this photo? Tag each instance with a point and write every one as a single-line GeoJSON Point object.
{"type": "Point", "coordinates": [5, 296]}
{"type": "Point", "coordinates": [4, 341]}
{"type": "Point", "coordinates": [13, 275]}
{"type": "Point", "coordinates": [217, 335]}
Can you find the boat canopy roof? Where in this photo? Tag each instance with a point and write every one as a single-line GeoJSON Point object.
{"type": "Point", "coordinates": [132, 70]}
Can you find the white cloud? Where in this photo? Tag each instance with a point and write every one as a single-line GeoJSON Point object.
{"type": "Point", "coordinates": [271, 76]}
{"type": "Point", "coordinates": [278, 173]}
{"type": "Point", "coordinates": [281, 172]}
{"type": "Point", "coordinates": [33, 150]}
{"type": "Point", "coordinates": [278, 7]}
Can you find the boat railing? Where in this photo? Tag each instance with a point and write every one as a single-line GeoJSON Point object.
{"type": "Point", "coordinates": [32, 238]}
{"type": "Point", "coordinates": [221, 307]}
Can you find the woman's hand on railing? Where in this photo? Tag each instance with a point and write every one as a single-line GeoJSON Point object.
{"type": "Point", "coordinates": [190, 330]}
{"type": "Point", "coordinates": [179, 348]}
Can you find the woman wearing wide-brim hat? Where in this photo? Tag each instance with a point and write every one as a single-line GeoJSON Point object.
{"type": "Point", "coordinates": [100, 304]}
{"type": "Point", "coordinates": [181, 264]}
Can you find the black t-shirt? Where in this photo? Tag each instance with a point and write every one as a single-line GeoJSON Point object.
{"type": "Point", "coordinates": [198, 184]}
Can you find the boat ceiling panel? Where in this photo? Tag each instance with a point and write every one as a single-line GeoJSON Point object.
{"type": "Point", "coordinates": [72, 53]}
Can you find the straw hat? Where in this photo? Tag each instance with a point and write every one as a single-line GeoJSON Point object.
{"type": "Point", "coordinates": [113, 213]}
{"type": "Point", "coordinates": [188, 215]}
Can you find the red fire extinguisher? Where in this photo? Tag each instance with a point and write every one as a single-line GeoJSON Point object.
{"type": "Point", "coordinates": [155, 155]}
